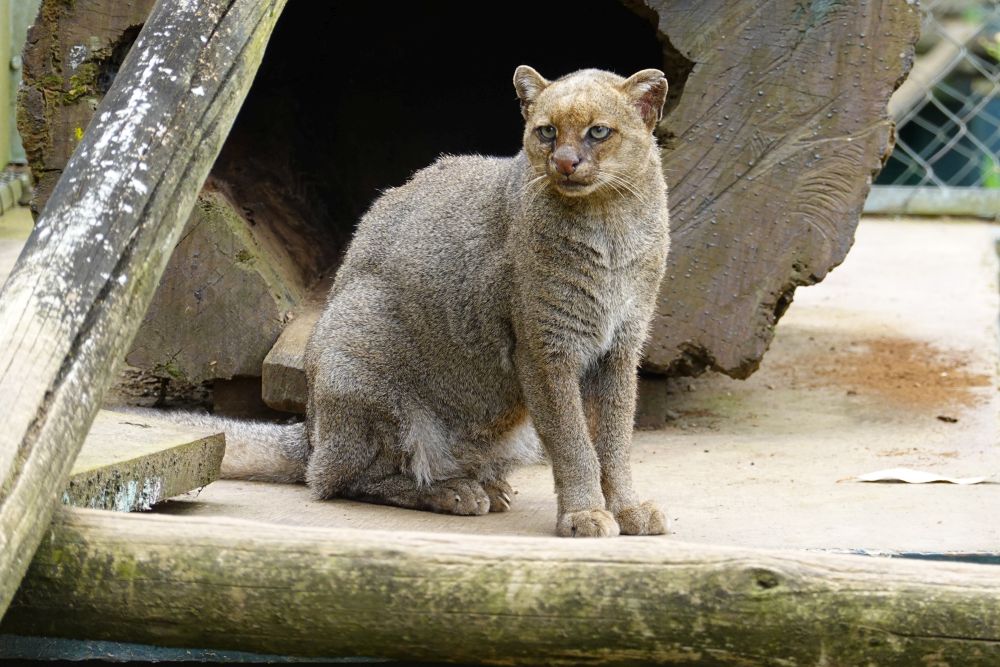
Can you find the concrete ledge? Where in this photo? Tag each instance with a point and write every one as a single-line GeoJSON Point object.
{"type": "Point", "coordinates": [958, 202]}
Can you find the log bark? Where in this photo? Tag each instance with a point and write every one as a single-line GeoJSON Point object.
{"type": "Point", "coordinates": [72, 54]}
{"type": "Point", "coordinates": [496, 600]}
{"type": "Point", "coordinates": [778, 131]}
{"type": "Point", "coordinates": [72, 304]}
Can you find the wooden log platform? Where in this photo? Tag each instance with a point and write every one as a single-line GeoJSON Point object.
{"type": "Point", "coordinates": [495, 600]}
{"type": "Point", "coordinates": [130, 463]}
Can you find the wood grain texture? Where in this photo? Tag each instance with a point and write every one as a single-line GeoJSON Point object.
{"type": "Point", "coordinates": [493, 600]}
{"type": "Point", "coordinates": [72, 304]}
{"type": "Point", "coordinates": [225, 284]}
{"type": "Point", "coordinates": [769, 156]}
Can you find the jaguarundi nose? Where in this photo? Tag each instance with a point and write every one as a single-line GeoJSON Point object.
{"type": "Point", "coordinates": [566, 160]}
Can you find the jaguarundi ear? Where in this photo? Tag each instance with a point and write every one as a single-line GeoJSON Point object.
{"type": "Point", "coordinates": [648, 91]}
{"type": "Point", "coordinates": [528, 83]}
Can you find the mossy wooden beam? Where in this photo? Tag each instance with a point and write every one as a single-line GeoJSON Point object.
{"type": "Point", "coordinates": [72, 304]}
{"type": "Point", "coordinates": [241, 585]}
{"type": "Point", "coordinates": [130, 462]}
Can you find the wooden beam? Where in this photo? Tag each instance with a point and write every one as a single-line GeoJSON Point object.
{"type": "Point", "coordinates": [130, 462]}
{"type": "Point", "coordinates": [274, 589]}
{"type": "Point", "coordinates": [283, 375]}
{"type": "Point", "coordinates": [72, 304]}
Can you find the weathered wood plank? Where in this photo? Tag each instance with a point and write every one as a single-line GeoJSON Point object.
{"type": "Point", "coordinates": [73, 302]}
{"type": "Point", "coordinates": [769, 155]}
{"type": "Point", "coordinates": [283, 376]}
{"type": "Point", "coordinates": [496, 600]}
{"type": "Point", "coordinates": [129, 462]}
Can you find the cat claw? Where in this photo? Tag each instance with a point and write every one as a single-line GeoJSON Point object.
{"type": "Point", "coordinates": [499, 492]}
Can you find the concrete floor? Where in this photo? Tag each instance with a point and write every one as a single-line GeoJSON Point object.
{"type": "Point", "coordinates": [861, 371]}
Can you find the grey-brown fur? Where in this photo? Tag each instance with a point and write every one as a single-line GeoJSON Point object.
{"type": "Point", "coordinates": [488, 299]}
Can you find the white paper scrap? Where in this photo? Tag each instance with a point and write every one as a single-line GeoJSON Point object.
{"type": "Point", "coordinates": [911, 476]}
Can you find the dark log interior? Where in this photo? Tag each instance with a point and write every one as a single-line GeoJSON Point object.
{"type": "Point", "coordinates": [354, 97]}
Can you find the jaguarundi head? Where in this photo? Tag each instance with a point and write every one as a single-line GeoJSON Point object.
{"type": "Point", "coordinates": [589, 133]}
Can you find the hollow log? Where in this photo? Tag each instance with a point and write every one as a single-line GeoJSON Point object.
{"type": "Point", "coordinates": [74, 300]}
{"type": "Point", "coordinates": [496, 600]}
{"type": "Point", "coordinates": [771, 150]}
{"type": "Point", "coordinates": [776, 122]}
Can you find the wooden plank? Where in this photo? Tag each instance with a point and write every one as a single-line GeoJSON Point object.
{"type": "Point", "coordinates": [496, 600]}
{"type": "Point", "coordinates": [130, 462]}
{"type": "Point", "coordinates": [283, 378]}
{"type": "Point", "coordinates": [73, 302]}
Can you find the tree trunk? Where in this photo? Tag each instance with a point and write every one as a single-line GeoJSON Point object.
{"type": "Point", "coordinates": [72, 304]}
{"type": "Point", "coordinates": [497, 600]}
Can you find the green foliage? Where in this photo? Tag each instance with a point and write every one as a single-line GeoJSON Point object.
{"type": "Point", "coordinates": [991, 172]}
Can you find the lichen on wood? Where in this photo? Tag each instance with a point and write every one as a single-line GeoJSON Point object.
{"type": "Point", "coordinates": [130, 462]}
{"type": "Point", "coordinates": [178, 581]}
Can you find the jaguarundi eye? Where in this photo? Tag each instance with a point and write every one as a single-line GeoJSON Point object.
{"type": "Point", "coordinates": [547, 132]}
{"type": "Point", "coordinates": [599, 132]}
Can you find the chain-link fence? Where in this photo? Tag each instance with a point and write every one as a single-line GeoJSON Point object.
{"type": "Point", "coordinates": [947, 155]}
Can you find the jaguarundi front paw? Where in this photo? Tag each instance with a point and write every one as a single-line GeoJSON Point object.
{"type": "Point", "coordinates": [587, 523]}
{"type": "Point", "coordinates": [642, 519]}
